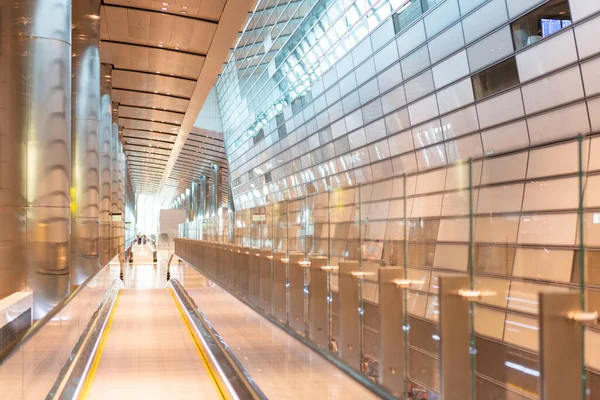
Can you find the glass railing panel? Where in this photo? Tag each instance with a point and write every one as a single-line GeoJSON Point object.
{"type": "Point", "coordinates": [425, 195]}
{"type": "Point", "coordinates": [374, 210]}
{"type": "Point", "coordinates": [317, 225]}
{"type": "Point", "coordinates": [525, 225]}
{"type": "Point", "coordinates": [586, 269]}
{"type": "Point", "coordinates": [343, 239]}
{"type": "Point", "coordinates": [296, 228]}
{"type": "Point", "coordinates": [32, 368]}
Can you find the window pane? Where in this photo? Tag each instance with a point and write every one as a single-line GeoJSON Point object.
{"type": "Point", "coordinates": [407, 14]}
{"type": "Point", "coordinates": [495, 79]}
{"type": "Point", "coordinates": [541, 22]}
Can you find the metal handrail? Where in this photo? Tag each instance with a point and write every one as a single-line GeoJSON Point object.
{"type": "Point", "coordinates": [8, 351]}
{"type": "Point", "coordinates": [75, 371]}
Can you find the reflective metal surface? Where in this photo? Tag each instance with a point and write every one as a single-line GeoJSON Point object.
{"type": "Point", "coordinates": [114, 187]}
{"type": "Point", "coordinates": [454, 361]}
{"type": "Point", "coordinates": [195, 200]}
{"type": "Point", "coordinates": [106, 137]}
{"type": "Point", "coordinates": [561, 347]}
{"type": "Point", "coordinates": [215, 189]}
{"type": "Point", "coordinates": [121, 197]}
{"type": "Point", "coordinates": [35, 149]}
{"type": "Point", "coordinates": [203, 192]}
{"type": "Point", "coordinates": [85, 179]}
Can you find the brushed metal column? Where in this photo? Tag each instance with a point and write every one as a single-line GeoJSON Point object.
{"type": "Point", "coordinates": [215, 189]}
{"type": "Point", "coordinates": [195, 199]}
{"type": "Point", "coordinates": [85, 178]}
{"type": "Point", "coordinates": [121, 197]}
{"type": "Point", "coordinates": [194, 214]}
{"type": "Point", "coordinates": [188, 203]}
{"type": "Point", "coordinates": [35, 149]}
{"type": "Point", "coordinates": [203, 192]}
{"type": "Point", "coordinates": [114, 188]}
{"type": "Point", "coordinates": [106, 126]}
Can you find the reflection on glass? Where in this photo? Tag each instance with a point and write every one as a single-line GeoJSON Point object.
{"type": "Point", "coordinates": [542, 22]}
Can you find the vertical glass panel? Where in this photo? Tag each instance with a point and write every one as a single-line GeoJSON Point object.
{"type": "Point", "coordinates": [267, 226]}
{"type": "Point", "coordinates": [423, 194]}
{"type": "Point", "coordinates": [280, 228]}
{"type": "Point", "coordinates": [318, 209]}
{"type": "Point", "coordinates": [297, 226]}
{"type": "Point", "coordinates": [586, 268]}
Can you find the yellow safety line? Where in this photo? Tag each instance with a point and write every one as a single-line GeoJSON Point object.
{"type": "Point", "coordinates": [201, 353]}
{"type": "Point", "coordinates": [89, 380]}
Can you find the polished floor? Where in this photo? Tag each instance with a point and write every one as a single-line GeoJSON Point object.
{"type": "Point", "coordinates": [148, 351]}
{"type": "Point", "coordinates": [283, 367]}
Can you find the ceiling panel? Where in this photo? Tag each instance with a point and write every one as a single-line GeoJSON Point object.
{"type": "Point", "coordinates": [150, 150]}
{"type": "Point", "coordinates": [139, 124]}
{"type": "Point", "coordinates": [202, 9]}
{"type": "Point", "coordinates": [153, 83]}
{"type": "Point", "coordinates": [151, 28]}
{"type": "Point", "coordinates": [150, 115]}
{"type": "Point", "coordinates": [148, 135]}
{"type": "Point", "coordinates": [143, 153]}
{"type": "Point", "coordinates": [149, 143]}
{"type": "Point", "coordinates": [149, 100]}
{"type": "Point", "coordinates": [152, 60]}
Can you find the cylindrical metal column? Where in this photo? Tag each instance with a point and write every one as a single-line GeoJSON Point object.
{"type": "Point", "coordinates": [203, 193]}
{"type": "Point", "coordinates": [230, 204]}
{"type": "Point", "coordinates": [35, 151]}
{"type": "Point", "coordinates": [106, 114]}
{"type": "Point", "coordinates": [195, 200]}
{"type": "Point", "coordinates": [85, 179]}
{"type": "Point", "coordinates": [188, 203]}
{"type": "Point", "coordinates": [114, 187]}
{"type": "Point", "coordinates": [215, 189]}
{"type": "Point", "coordinates": [121, 197]}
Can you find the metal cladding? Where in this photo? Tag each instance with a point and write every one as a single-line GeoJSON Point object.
{"type": "Point", "coordinates": [203, 193]}
{"type": "Point", "coordinates": [195, 193]}
{"type": "Point", "coordinates": [215, 189]}
{"type": "Point", "coordinates": [188, 204]}
{"type": "Point", "coordinates": [85, 139]}
{"type": "Point", "coordinates": [130, 209]}
{"type": "Point", "coordinates": [35, 169]}
{"type": "Point", "coordinates": [121, 198]}
{"type": "Point", "coordinates": [114, 188]}
{"type": "Point", "coordinates": [106, 137]}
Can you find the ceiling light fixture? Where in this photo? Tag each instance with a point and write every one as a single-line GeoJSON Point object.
{"type": "Point", "coordinates": [164, 8]}
{"type": "Point", "coordinates": [155, 91]}
{"type": "Point", "coordinates": [160, 45]}
{"type": "Point", "coordinates": [158, 72]}
{"type": "Point", "coordinates": [183, 12]}
{"type": "Point", "coordinates": [168, 94]}
{"type": "Point", "coordinates": [184, 7]}
{"type": "Point", "coordinates": [176, 47]}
